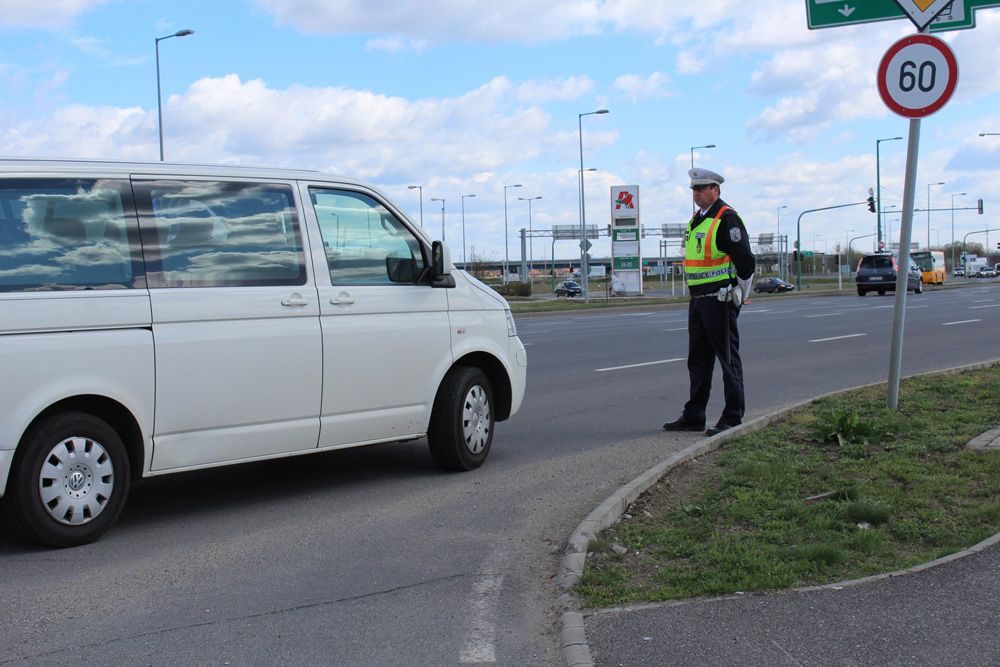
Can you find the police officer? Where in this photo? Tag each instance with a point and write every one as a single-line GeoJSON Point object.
{"type": "Point", "coordinates": [719, 266]}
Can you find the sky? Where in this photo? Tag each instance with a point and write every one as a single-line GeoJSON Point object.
{"type": "Point", "coordinates": [465, 97]}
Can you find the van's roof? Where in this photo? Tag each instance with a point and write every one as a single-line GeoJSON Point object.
{"type": "Point", "coordinates": [60, 165]}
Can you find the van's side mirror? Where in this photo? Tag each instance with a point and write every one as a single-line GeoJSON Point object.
{"type": "Point", "coordinates": [441, 265]}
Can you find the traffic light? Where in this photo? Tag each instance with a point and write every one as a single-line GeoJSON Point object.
{"type": "Point", "coordinates": [980, 206]}
{"type": "Point", "coordinates": [871, 203]}
{"type": "Point", "coordinates": [795, 255]}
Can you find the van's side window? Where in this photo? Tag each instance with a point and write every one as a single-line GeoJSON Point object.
{"type": "Point", "coordinates": [219, 234]}
{"type": "Point", "coordinates": [365, 244]}
{"type": "Point", "coordinates": [67, 234]}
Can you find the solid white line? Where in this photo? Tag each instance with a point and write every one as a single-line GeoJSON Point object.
{"type": "Point", "coordinates": [480, 647]}
{"type": "Point", "coordinates": [948, 324]}
{"type": "Point", "coordinates": [647, 363]}
{"type": "Point", "coordinates": [823, 340]}
{"type": "Point", "coordinates": [994, 305]}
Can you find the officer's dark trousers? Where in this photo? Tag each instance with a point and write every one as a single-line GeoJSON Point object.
{"type": "Point", "coordinates": [707, 322]}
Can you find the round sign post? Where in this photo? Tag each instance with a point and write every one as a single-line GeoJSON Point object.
{"type": "Point", "coordinates": [917, 76]}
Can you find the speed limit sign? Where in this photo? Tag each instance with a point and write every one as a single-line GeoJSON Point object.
{"type": "Point", "coordinates": [917, 76]}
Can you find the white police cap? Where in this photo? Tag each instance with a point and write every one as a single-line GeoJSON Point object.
{"type": "Point", "coordinates": [702, 176]}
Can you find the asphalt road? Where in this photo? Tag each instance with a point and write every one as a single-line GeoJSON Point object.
{"type": "Point", "coordinates": [374, 557]}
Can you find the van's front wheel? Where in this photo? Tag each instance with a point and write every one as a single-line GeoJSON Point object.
{"type": "Point", "coordinates": [461, 428]}
{"type": "Point", "coordinates": [70, 480]}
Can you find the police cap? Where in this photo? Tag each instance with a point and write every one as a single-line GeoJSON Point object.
{"type": "Point", "coordinates": [702, 176]}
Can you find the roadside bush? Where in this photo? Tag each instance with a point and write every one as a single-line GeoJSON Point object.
{"type": "Point", "coordinates": [514, 289]}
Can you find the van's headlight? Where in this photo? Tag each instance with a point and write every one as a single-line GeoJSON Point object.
{"type": "Point", "coordinates": [511, 327]}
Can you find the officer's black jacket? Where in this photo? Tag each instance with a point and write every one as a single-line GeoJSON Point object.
{"type": "Point", "coordinates": [732, 239]}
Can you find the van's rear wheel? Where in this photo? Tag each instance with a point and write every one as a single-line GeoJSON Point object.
{"type": "Point", "coordinates": [461, 428]}
{"type": "Point", "coordinates": [69, 480]}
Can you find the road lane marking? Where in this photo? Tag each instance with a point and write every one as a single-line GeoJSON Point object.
{"type": "Point", "coordinates": [992, 305]}
{"type": "Point", "coordinates": [823, 315]}
{"type": "Point", "coordinates": [823, 340]}
{"type": "Point", "coordinates": [480, 647]}
{"type": "Point", "coordinates": [647, 363]}
{"type": "Point", "coordinates": [677, 329]}
{"type": "Point", "coordinates": [948, 324]}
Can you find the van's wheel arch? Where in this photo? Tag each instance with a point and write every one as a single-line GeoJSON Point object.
{"type": "Point", "coordinates": [462, 421]}
{"type": "Point", "coordinates": [69, 480]}
{"type": "Point", "coordinates": [919, 289]}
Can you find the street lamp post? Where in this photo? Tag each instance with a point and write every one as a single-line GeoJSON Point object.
{"type": "Point", "coordinates": [465, 264]}
{"type": "Point", "coordinates": [815, 236]}
{"type": "Point", "coordinates": [421, 189]}
{"type": "Point", "coordinates": [506, 250]}
{"type": "Point", "coordinates": [440, 199]}
{"type": "Point", "coordinates": [878, 192]}
{"type": "Point", "coordinates": [584, 269]}
{"type": "Point", "coordinates": [159, 104]}
{"type": "Point", "coordinates": [953, 195]}
{"type": "Point", "coordinates": [929, 212]}
{"type": "Point", "coordinates": [531, 250]}
{"type": "Point", "coordinates": [847, 261]}
{"type": "Point", "coordinates": [692, 166]}
{"type": "Point", "coordinates": [780, 254]}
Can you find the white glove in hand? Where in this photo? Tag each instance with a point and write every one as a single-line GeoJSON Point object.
{"type": "Point", "coordinates": [744, 288]}
{"type": "Point", "coordinates": [731, 294]}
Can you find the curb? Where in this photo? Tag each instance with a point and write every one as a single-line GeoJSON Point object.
{"type": "Point", "coordinates": [573, 638]}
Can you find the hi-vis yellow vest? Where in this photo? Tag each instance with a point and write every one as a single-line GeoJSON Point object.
{"type": "Point", "coordinates": [704, 263]}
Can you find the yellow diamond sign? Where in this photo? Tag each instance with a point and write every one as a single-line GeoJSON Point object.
{"type": "Point", "coordinates": [922, 12]}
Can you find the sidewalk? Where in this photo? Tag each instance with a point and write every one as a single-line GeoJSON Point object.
{"type": "Point", "coordinates": [943, 612]}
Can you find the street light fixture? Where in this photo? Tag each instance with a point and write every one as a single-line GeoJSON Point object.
{"type": "Point", "coordinates": [159, 104]}
{"type": "Point", "coordinates": [989, 134]}
{"type": "Point", "coordinates": [442, 215]}
{"type": "Point", "coordinates": [506, 248]}
{"type": "Point", "coordinates": [929, 212]}
{"type": "Point", "coordinates": [464, 261]}
{"type": "Point", "coordinates": [584, 269]}
{"type": "Point", "coordinates": [878, 192]}
{"type": "Point", "coordinates": [953, 195]}
{"type": "Point", "coordinates": [531, 250]}
{"type": "Point", "coordinates": [421, 188]}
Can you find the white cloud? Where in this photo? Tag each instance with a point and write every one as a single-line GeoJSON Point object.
{"type": "Point", "coordinates": [56, 14]}
{"type": "Point", "coordinates": [638, 87]}
{"type": "Point", "coordinates": [441, 21]}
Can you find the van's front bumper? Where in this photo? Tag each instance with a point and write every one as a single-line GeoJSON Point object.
{"type": "Point", "coordinates": [6, 458]}
{"type": "Point", "coordinates": [518, 372]}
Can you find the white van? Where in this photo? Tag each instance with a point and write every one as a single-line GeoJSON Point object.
{"type": "Point", "coordinates": [157, 318]}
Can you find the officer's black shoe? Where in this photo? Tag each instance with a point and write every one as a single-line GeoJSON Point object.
{"type": "Point", "coordinates": [719, 428]}
{"type": "Point", "coordinates": [683, 424]}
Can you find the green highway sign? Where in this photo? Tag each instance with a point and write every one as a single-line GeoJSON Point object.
{"type": "Point", "coordinates": [956, 15]}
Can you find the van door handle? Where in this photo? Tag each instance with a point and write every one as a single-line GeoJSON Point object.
{"type": "Point", "coordinates": [294, 301]}
{"type": "Point", "coordinates": [342, 299]}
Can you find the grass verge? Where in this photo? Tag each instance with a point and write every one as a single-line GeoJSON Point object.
{"type": "Point", "coordinates": [841, 489]}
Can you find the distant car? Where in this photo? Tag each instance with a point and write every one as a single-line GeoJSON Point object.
{"type": "Point", "coordinates": [569, 288]}
{"type": "Point", "coordinates": [959, 272]}
{"type": "Point", "coordinates": [877, 273]}
{"type": "Point", "coordinates": [772, 285]}
{"type": "Point", "coordinates": [986, 272]}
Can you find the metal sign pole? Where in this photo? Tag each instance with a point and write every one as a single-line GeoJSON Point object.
{"type": "Point", "coordinates": [902, 272]}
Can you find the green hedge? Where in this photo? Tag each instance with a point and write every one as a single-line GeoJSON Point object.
{"type": "Point", "coordinates": [514, 289]}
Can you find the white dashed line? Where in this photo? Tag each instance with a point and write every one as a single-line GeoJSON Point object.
{"type": "Point", "coordinates": [823, 340]}
{"type": "Point", "coordinates": [992, 305]}
{"type": "Point", "coordinates": [823, 315]}
{"type": "Point", "coordinates": [647, 363]}
{"type": "Point", "coordinates": [948, 324]}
